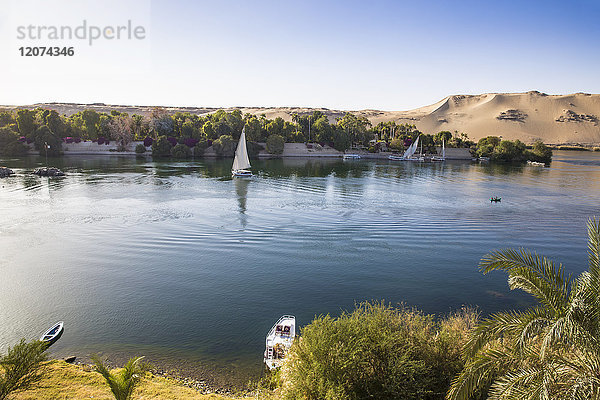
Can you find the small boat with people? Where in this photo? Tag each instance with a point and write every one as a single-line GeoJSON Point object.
{"type": "Point", "coordinates": [279, 340]}
{"type": "Point", "coordinates": [241, 162]}
{"type": "Point", "coordinates": [53, 334]}
{"type": "Point", "coordinates": [48, 171]}
{"type": "Point", "coordinates": [495, 199]}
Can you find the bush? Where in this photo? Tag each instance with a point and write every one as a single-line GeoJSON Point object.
{"type": "Point", "coordinates": [140, 149]}
{"type": "Point", "coordinates": [253, 149]}
{"type": "Point", "coordinates": [181, 151]}
{"type": "Point", "coordinates": [21, 366]}
{"type": "Point", "coordinates": [377, 351]}
{"type": "Point", "coordinates": [540, 152]}
{"type": "Point", "coordinates": [201, 146]}
{"type": "Point", "coordinates": [224, 146]}
{"type": "Point", "coordinates": [161, 147]}
{"type": "Point", "coordinates": [14, 149]}
{"type": "Point", "coordinates": [43, 135]}
{"type": "Point", "coordinates": [275, 144]}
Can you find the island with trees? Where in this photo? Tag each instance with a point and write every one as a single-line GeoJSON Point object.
{"type": "Point", "coordinates": [183, 135]}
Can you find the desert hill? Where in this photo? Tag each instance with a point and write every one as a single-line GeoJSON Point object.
{"type": "Point", "coordinates": [555, 119]}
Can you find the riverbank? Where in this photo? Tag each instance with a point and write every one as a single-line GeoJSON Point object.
{"type": "Point", "coordinates": [61, 380]}
{"type": "Point", "coordinates": [289, 150]}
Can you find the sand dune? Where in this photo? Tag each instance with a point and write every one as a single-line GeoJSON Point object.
{"type": "Point", "coordinates": [555, 119]}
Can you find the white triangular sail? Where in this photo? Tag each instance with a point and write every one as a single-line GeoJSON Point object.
{"type": "Point", "coordinates": [241, 160]}
{"type": "Point", "coordinates": [443, 149]}
{"type": "Point", "coordinates": [411, 149]}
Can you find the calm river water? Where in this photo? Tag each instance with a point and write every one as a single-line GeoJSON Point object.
{"type": "Point", "coordinates": [177, 261]}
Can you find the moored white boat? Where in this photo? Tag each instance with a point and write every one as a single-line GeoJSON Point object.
{"type": "Point", "coordinates": [409, 153]}
{"type": "Point", "coordinates": [279, 340]}
{"type": "Point", "coordinates": [53, 334]}
{"type": "Point", "coordinates": [351, 156]}
{"type": "Point", "coordinates": [241, 162]}
{"type": "Point", "coordinates": [443, 156]}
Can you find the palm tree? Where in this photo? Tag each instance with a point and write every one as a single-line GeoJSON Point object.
{"type": "Point", "coordinates": [550, 351]}
{"type": "Point", "coordinates": [123, 382]}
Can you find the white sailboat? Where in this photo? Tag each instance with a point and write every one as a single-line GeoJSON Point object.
{"type": "Point", "coordinates": [443, 156]}
{"type": "Point", "coordinates": [279, 340]}
{"type": "Point", "coordinates": [241, 162]}
{"type": "Point", "coordinates": [408, 154]}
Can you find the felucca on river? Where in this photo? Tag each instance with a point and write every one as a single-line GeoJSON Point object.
{"type": "Point", "coordinates": [241, 163]}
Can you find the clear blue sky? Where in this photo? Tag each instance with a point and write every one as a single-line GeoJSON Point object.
{"type": "Point", "coordinates": [391, 55]}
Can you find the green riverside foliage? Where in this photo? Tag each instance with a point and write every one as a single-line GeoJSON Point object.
{"type": "Point", "coordinates": [508, 151]}
{"type": "Point", "coordinates": [21, 367]}
{"type": "Point", "coordinates": [376, 352]}
{"type": "Point", "coordinates": [161, 147]}
{"type": "Point", "coordinates": [200, 147]}
{"type": "Point", "coordinates": [9, 143]}
{"type": "Point", "coordinates": [225, 146]}
{"type": "Point", "coordinates": [42, 136]}
{"type": "Point", "coordinates": [253, 149]}
{"type": "Point", "coordinates": [140, 149]}
{"type": "Point", "coordinates": [549, 351]}
{"type": "Point", "coordinates": [181, 151]}
{"type": "Point", "coordinates": [275, 144]}
{"type": "Point", "coordinates": [123, 382]}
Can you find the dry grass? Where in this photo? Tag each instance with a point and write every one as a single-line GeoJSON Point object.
{"type": "Point", "coordinates": [63, 381]}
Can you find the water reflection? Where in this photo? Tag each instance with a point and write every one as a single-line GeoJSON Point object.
{"type": "Point", "coordinates": [241, 191]}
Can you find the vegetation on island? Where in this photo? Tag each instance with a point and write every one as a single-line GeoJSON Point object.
{"type": "Point", "coordinates": [512, 151]}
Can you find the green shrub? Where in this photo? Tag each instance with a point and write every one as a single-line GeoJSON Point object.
{"type": "Point", "coordinates": [275, 144]}
{"type": "Point", "coordinates": [43, 136]}
{"type": "Point", "coordinates": [140, 149]}
{"type": "Point", "coordinates": [224, 146]}
{"type": "Point", "coordinates": [14, 149]}
{"type": "Point", "coordinates": [21, 366]}
{"type": "Point", "coordinates": [540, 152]}
{"type": "Point", "coordinates": [376, 351]}
{"type": "Point", "coordinates": [181, 151]}
{"type": "Point", "coordinates": [199, 148]}
{"type": "Point", "coordinates": [161, 147]}
{"type": "Point", "coordinates": [253, 149]}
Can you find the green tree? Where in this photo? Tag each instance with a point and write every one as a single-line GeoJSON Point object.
{"type": "Point", "coordinates": [91, 121]}
{"type": "Point", "coordinates": [549, 351]}
{"type": "Point", "coordinates": [275, 144]}
{"type": "Point", "coordinates": [199, 148]}
{"type": "Point", "coordinates": [224, 146]}
{"type": "Point", "coordinates": [21, 367]}
{"type": "Point", "coordinates": [123, 382]}
{"type": "Point", "coordinates": [540, 152]}
{"type": "Point", "coordinates": [44, 137]}
{"type": "Point", "coordinates": [26, 122]}
{"type": "Point", "coordinates": [181, 151]}
{"type": "Point", "coordinates": [140, 148]}
{"type": "Point", "coordinates": [161, 147]}
{"type": "Point", "coordinates": [444, 136]}
{"type": "Point", "coordinates": [209, 130]}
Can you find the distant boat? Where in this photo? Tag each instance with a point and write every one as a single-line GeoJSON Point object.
{"type": "Point", "coordinates": [536, 163]}
{"type": "Point", "coordinates": [279, 340]}
{"type": "Point", "coordinates": [495, 199]}
{"type": "Point", "coordinates": [443, 156]}
{"type": "Point", "coordinates": [241, 163]}
{"type": "Point", "coordinates": [484, 159]}
{"type": "Point", "coordinates": [351, 157]}
{"type": "Point", "coordinates": [53, 334]}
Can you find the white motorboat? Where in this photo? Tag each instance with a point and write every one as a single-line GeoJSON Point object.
{"type": "Point", "coordinates": [279, 340]}
{"type": "Point", "coordinates": [241, 162]}
{"type": "Point", "coordinates": [351, 157]}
